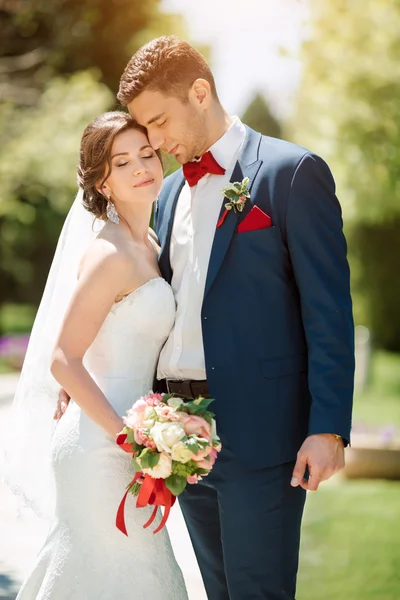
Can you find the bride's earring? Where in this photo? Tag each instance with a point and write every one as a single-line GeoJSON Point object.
{"type": "Point", "coordinates": [112, 214]}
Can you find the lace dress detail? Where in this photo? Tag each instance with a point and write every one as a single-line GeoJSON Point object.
{"type": "Point", "coordinates": [85, 557]}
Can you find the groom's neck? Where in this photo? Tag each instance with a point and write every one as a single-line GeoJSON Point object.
{"type": "Point", "coordinates": [218, 123]}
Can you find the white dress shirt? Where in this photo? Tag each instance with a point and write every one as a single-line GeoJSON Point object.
{"type": "Point", "coordinates": [194, 226]}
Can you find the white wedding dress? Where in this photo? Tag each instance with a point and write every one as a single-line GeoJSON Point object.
{"type": "Point", "coordinates": [85, 557]}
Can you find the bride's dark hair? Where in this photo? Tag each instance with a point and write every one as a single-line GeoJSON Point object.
{"type": "Point", "coordinates": [95, 156]}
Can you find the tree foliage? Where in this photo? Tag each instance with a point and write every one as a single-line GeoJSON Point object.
{"type": "Point", "coordinates": [348, 104]}
{"type": "Point", "coordinates": [60, 64]}
{"type": "Point", "coordinates": [38, 160]}
{"type": "Point", "coordinates": [348, 111]}
{"type": "Point", "coordinates": [259, 117]}
{"type": "Point", "coordinates": [65, 36]}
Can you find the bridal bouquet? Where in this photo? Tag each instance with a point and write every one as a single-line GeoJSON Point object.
{"type": "Point", "coordinates": [173, 443]}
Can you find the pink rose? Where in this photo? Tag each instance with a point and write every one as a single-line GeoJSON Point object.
{"type": "Point", "coordinates": [202, 453]}
{"type": "Point", "coordinates": [196, 425]}
{"type": "Point", "coordinates": [153, 399]}
{"type": "Point", "coordinates": [164, 411]}
{"type": "Point", "coordinates": [204, 464]}
{"type": "Point", "coordinates": [136, 414]}
{"type": "Point", "coordinates": [213, 456]}
{"type": "Point", "coordinates": [206, 458]}
{"type": "Point", "coordinates": [142, 439]}
{"type": "Point", "coordinates": [193, 478]}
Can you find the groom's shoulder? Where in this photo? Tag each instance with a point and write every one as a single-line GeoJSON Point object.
{"type": "Point", "coordinates": [276, 153]}
{"type": "Point", "coordinates": [281, 153]}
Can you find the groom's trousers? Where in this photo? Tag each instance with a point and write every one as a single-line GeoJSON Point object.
{"type": "Point", "coordinates": [245, 529]}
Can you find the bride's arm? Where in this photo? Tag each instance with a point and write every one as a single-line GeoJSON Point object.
{"type": "Point", "coordinates": [101, 280]}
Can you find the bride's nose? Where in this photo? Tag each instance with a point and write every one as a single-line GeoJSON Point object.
{"type": "Point", "coordinates": [139, 169]}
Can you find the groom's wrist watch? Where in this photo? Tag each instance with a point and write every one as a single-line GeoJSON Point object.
{"type": "Point", "coordinates": [338, 437]}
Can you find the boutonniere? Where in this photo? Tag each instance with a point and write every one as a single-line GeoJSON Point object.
{"type": "Point", "coordinates": [237, 193]}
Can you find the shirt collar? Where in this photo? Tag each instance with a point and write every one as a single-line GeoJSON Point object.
{"type": "Point", "coordinates": [226, 148]}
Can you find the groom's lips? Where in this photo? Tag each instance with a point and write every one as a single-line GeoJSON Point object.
{"type": "Point", "coordinates": [174, 150]}
{"type": "Point", "coordinates": [144, 182]}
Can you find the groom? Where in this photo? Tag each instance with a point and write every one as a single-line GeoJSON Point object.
{"type": "Point", "coordinates": [264, 318]}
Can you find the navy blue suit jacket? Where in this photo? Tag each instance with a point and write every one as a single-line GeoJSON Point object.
{"type": "Point", "coordinates": [277, 315]}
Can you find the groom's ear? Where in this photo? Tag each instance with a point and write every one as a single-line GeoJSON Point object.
{"type": "Point", "coordinates": [200, 93]}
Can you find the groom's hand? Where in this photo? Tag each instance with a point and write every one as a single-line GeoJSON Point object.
{"type": "Point", "coordinates": [62, 404]}
{"type": "Point", "coordinates": [323, 454]}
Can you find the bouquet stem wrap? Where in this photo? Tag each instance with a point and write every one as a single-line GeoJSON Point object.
{"type": "Point", "coordinates": [152, 492]}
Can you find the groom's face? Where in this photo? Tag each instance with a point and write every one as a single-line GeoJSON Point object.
{"type": "Point", "coordinates": [174, 126]}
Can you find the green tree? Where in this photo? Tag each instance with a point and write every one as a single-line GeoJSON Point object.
{"type": "Point", "coordinates": [348, 112]}
{"type": "Point", "coordinates": [38, 159]}
{"type": "Point", "coordinates": [41, 38]}
{"type": "Point", "coordinates": [259, 117]}
{"type": "Point", "coordinates": [58, 62]}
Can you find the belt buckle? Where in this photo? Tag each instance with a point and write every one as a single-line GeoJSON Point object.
{"type": "Point", "coordinates": [182, 388]}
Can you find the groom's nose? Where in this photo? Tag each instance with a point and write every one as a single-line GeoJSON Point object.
{"type": "Point", "coordinates": [156, 139]}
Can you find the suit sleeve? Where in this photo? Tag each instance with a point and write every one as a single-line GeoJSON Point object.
{"type": "Point", "coordinates": [317, 247]}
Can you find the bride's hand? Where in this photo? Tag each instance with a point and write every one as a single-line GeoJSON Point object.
{"type": "Point", "coordinates": [62, 404]}
{"type": "Point", "coordinates": [116, 427]}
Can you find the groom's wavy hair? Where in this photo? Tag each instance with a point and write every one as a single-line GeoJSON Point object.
{"type": "Point", "coordinates": [95, 157]}
{"type": "Point", "coordinates": [167, 65]}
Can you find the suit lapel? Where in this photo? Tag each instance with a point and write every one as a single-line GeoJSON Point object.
{"type": "Point", "coordinates": [165, 230]}
{"type": "Point", "coordinates": [247, 165]}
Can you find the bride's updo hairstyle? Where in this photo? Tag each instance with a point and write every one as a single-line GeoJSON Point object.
{"type": "Point", "coordinates": [95, 157]}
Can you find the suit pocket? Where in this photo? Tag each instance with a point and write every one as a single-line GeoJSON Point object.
{"type": "Point", "coordinates": [283, 366]}
{"type": "Point", "coordinates": [261, 234]}
{"type": "Point", "coordinates": [257, 228]}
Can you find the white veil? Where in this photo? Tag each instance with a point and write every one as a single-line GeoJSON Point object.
{"type": "Point", "coordinates": [27, 442]}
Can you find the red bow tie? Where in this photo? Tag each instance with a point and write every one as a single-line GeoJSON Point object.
{"type": "Point", "coordinates": [193, 171]}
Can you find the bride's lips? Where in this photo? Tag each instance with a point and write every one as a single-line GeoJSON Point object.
{"type": "Point", "coordinates": [145, 183]}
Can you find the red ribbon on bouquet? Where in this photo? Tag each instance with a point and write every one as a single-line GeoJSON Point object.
{"type": "Point", "coordinates": [152, 492]}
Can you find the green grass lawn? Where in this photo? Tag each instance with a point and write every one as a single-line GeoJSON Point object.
{"type": "Point", "coordinates": [380, 403]}
{"type": "Point", "coordinates": [351, 529]}
{"type": "Point", "coordinates": [351, 542]}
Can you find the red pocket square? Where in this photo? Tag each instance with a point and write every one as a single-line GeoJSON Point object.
{"type": "Point", "coordinates": [256, 219]}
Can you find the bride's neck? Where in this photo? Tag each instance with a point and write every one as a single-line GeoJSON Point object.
{"type": "Point", "coordinates": [136, 220]}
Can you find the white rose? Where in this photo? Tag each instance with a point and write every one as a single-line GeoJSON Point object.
{"type": "Point", "coordinates": [149, 413]}
{"type": "Point", "coordinates": [163, 469]}
{"type": "Point", "coordinates": [175, 402]}
{"type": "Point", "coordinates": [166, 435]}
{"type": "Point", "coordinates": [181, 453]}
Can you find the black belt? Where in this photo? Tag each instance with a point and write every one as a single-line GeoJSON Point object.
{"type": "Point", "coordinates": [187, 388]}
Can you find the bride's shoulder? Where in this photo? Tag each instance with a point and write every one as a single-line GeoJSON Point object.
{"type": "Point", "coordinates": [104, 253]}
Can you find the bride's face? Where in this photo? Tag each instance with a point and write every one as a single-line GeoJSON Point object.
{"type": "Point", "coordinates": [136, 171]}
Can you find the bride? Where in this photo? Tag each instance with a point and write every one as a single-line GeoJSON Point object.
{"type": "Point", "coordinates": [119, 315]}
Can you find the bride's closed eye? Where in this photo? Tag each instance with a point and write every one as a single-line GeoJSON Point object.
{"type": "Point", "coordinates": [126, 162]}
